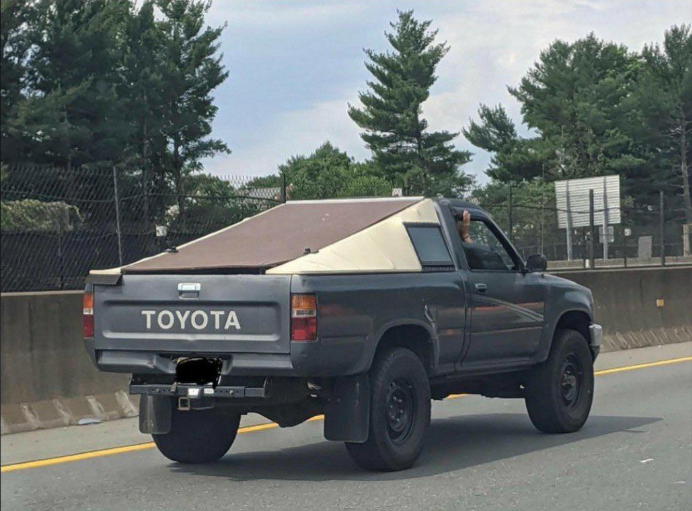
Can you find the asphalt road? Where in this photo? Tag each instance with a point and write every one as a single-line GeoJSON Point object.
{"type": "Point", "coordinates": [635, 452]}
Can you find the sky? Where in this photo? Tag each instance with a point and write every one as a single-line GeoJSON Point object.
{"type": "Point", "coordinates": [296, 66]}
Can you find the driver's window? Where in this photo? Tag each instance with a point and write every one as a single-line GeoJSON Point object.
{"type": "Point", "coordinates": [484, 251]}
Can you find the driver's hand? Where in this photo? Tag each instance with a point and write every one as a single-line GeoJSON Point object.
{"type": "Point", "coordinates": [466, 220]}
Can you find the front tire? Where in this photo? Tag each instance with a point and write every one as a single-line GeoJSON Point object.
{"type": "Point", "coordinates": [559, 392]}
{"type": "Point", "coordinates": [399, 413]}
{"type": "Point", "coordinates": [198, 436]}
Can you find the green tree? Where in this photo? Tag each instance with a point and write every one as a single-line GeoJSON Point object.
{"type": "Point", "coordinates": [661, 119]}
{"type": "Point", "coordinates": [140, 93]}
{"type": "Point", "coordinates": [573, 97]}
{"type": "Point", "coordinates": [191, 70]}
{"type": "Point", "coordinates": [394, 130]}
{"type": "Point", "coordinates": [71, 115]}
{"type": "Point", "coordinates": [330, 173]}
{"type": "Point", "coordinates": [15, 16]}
{"type": "Point", "coordinates": [513, 159]}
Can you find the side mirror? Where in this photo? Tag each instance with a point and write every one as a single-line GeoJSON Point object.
{"type": "Point", "coordinates": [536, 263]}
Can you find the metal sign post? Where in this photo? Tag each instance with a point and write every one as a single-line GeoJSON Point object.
{"type": "Point", "coordinates": [588, 202]}
{"type": "Point", "coordinates": [568, 229]}
{"type": "Point", "coordinates": [592, 233]}
{"type": "Point", "coordinates": [606, 234]}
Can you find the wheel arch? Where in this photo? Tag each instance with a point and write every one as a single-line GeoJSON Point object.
{"type": "Point", "coordinates": [413, 335]}
{"type": "Point", "coordinates": [578, 320]}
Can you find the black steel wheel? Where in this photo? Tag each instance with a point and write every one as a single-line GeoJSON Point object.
{"type": "Point", "coordinates": [399, 413]}
{"type": "Point", "coordinates": [401, 410]}
{"type": "Point", "coordinates": [559, 392]}
{"type": "Point", "coordinates": [571, 380]}
{"type": "Point", "coordinates": [198, 436]}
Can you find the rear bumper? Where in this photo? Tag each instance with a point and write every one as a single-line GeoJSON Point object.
{"type": "Point", "coordinates": [313, 359]}
{"type": "Point", "coordinates": [199, 391]}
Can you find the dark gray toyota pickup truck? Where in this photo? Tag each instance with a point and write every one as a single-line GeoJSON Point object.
{"type": "Point", "coordinates": [362, 310]}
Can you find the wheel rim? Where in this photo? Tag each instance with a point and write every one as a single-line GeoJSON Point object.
{"type": "Point", "coordinates": [401, 410]}
{"type": "Point", "coordinates": [571, 380]}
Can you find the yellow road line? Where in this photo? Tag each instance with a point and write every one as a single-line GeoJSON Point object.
{"type": "Point", "coordinates": [643, 366]}
{"type": "Point", "coordinates": [262, 427]}
{"type": "Point", "coordinates": [76, 457]}
{"type": "Point", "coordinates": [120, 450]}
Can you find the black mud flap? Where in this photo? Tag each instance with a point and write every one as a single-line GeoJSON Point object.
{"type": "Point", "coordinates": [347, 415]}
{"type": "Point", "coordinates": [155, 415]}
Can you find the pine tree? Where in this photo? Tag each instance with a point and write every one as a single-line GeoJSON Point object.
{"type": "Point", "coordinates": [191, 71]}
{"type": "Point", "coordinates": [513, 159]}
{"type": "Point", "coordinates": [16, 15]}
{"type": "Point", "coordinates": [72, 116]}
{"type": "Point", "coordinates": [394, 130]}
{"type": "Point", "coordinates": [573, 97]}
{"type": "Point", "coordinates": [662, 113]}
{"type": "Point", "coordinates": [140, 91]}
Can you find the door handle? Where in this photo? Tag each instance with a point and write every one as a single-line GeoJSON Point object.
{"type": "Point", "coordinates": [481, 287]}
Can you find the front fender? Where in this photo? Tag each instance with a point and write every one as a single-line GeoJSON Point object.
{"type": "Point", "coordinates": [561, 299]}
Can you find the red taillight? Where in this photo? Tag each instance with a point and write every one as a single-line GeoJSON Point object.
{"type": "Point", "coordinates": [303, 318]}
{"type": "Point", "coordinates": [88, 315]}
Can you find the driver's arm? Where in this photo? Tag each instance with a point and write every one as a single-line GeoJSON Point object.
{"type": "Point", "coordinates": [464, 226]}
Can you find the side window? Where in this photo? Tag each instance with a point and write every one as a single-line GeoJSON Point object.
{"type": "Point", "coordinates": [431, 247]}
{"type": "Point", "coordinates": [485, 251]}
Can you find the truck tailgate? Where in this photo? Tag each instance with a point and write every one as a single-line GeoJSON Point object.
{"type": "Point", "coordinates": [194, 314]}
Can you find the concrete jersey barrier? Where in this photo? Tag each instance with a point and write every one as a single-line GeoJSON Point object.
{"type": "Point", "coordinates": [48, 381]}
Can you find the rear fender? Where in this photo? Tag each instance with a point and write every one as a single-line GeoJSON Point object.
{"type": "Point", "coordinates": [430, 328]}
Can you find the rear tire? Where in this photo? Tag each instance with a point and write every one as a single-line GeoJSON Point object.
{"type": "Point", "coordinates": [559, 392]}
{"type": "Point", "coordinates": [399, 413]}
{"type": "Point", "coordinates": [198, 436]}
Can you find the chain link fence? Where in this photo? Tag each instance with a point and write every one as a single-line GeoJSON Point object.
{"type": "Point", "coordinates": [647, 236]}
{"type": "Point", "coordinates": [58, 224]}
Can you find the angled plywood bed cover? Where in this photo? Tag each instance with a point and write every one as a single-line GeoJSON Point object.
{"type": "Point", "coordinates": [277, 236]}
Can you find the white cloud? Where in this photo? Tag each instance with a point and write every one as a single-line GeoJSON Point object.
{"type": "Point", "coordinates": [263, 14]}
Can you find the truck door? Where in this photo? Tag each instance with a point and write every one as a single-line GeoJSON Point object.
{"type": "Point", "coordinates": [506, 303]}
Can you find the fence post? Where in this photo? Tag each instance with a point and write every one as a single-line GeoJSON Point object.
{"type": "Point", "coordinates": [592, 233]}
{"type": "Point", "coordinates": [117, 216]}
{"type": "Point", "coordinates": [625, 251]}
{"type": "Point", "coordinates": [583, 247]}
{"type": "Point", "coordinates": [662, 233]}
{"type": "Point", "coordinates": [284, 196]}
{"type": "Point", "coordinates": [511, 220]}
{"type": "Point", "coordinates": [61, 257]}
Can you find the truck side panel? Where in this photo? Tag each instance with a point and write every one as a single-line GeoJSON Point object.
{"type": "Point", "coordinates": [355, 311]}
